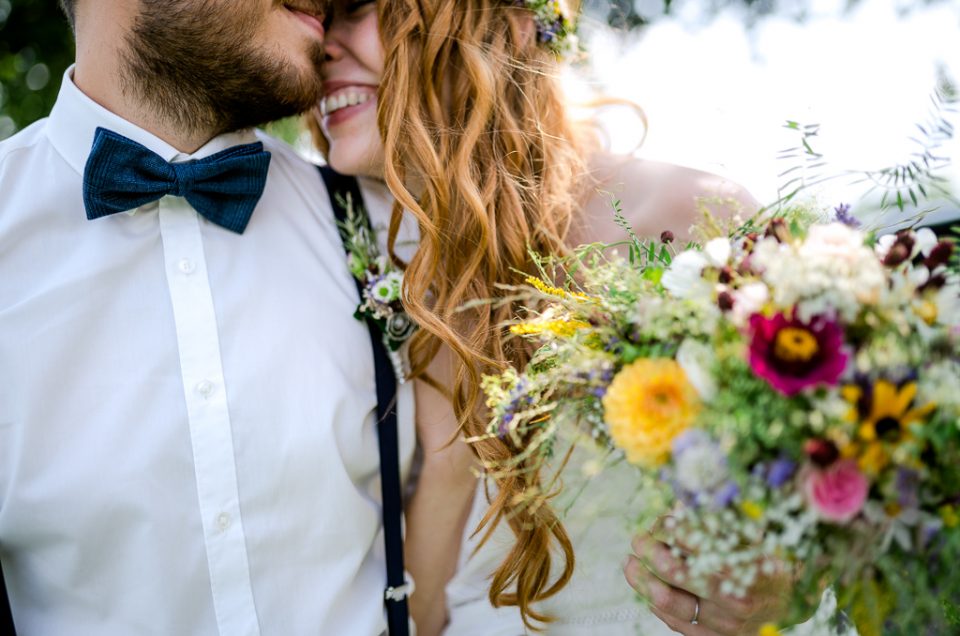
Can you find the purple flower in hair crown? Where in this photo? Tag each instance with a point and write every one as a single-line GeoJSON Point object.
{"type": "Point", "coordinates": [556, 25]}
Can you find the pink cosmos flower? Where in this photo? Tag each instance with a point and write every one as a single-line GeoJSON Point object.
{"type": "Point", "coordinates": [792, 355]}
{"type": "Point", "coordinates": [836, 493]}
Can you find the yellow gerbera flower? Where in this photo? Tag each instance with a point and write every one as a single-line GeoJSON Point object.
{"type": "Point", "coordinates": [649, 403]}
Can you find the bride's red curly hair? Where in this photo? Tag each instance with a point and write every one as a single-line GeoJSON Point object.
{"type": "Point", "coordinates": [480, 149]}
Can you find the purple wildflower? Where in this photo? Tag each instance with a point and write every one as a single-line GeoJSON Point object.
{"type": "Point", "coordinates": [725, 495]}
{"type": "Point", "coordinates": [844, 216]}
{"type": "Point", "coordinates": [780, 472]}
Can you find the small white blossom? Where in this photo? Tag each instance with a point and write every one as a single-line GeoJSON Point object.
{"type": "Point", "coordinates": [830, 272]}
{"type": "Point", "coordinates": [697, 360]}
{"type": "Point", "coordinates": [747, 301]}
{"type": "Point", "coordinates": [718, 251]}
{"type": "Point", "coordinates": [684, 278]}
{"type": "Point", "coordinates": [926, 240]}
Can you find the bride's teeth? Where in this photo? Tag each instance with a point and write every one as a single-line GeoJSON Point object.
{"type": "Point", "coordinates": [334, 103]}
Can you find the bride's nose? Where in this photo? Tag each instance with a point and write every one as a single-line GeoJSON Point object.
{"type": "Point", "coordinates": [333, 46]}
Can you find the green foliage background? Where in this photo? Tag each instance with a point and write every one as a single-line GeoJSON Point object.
{"type": "Point", "coordinates": [36, 46]}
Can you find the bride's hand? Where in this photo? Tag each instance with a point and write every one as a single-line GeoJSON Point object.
{"type": "Point", "coordinates": [659, 577]}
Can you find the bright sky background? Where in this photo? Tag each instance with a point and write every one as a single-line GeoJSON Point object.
{"type": "Point", "coordinates": [717, 93]}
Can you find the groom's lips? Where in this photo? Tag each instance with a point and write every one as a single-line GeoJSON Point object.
{"type": "Point", "coordinates": [310, 15]}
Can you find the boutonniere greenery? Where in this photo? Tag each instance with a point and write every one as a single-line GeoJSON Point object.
{"type": "Point", "coordinates": [380, 280]}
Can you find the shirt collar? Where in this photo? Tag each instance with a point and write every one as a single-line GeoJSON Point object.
{"type": "Point", "coordinates": [75, 118]}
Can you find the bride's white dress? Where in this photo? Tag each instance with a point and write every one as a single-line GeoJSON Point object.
{"type": "Point", "coordinates": [597, 601]}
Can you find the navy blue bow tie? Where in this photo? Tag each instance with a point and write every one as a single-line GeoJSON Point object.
{"type": "Point", "coordinates": [122, 175]}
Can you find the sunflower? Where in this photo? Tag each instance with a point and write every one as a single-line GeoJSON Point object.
{"type": "Point", "coordinates": [649, 403]}
{"type": "Point", "coordinates": [884, 416]}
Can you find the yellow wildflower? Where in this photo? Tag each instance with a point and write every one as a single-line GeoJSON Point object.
{"type": "Point", "coordinates": [926, 311]}
{"type": "Point", "coordinates": [873, 458]}
{"type": "Point", "coordinates": [752, 509]}
{"type": "Point", "coordinates": [543, 288]}
{"type": "Point", "coordinates": [647, 405]}
{"type": "Point", "coordinates": [949, 515]}
{"type": "Point", "coordinates": [769, 629]}
{"type": "Point", "coordinates": [562, 328]}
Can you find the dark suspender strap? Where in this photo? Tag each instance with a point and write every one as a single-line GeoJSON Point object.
{"type": "Point", "coordinates": [338, 187]}
{"type": "Point", "coordinates": [6, 616]}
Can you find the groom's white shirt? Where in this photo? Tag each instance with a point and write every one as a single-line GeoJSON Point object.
{"type": "Point", "coordinates": [187, 440]}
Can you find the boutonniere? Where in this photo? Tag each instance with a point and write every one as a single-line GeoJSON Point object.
{"type": "Point", "coordinates": [380, 280]}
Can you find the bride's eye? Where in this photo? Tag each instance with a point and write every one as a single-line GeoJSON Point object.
{"type": "Point", "coordinates": [356, 5]}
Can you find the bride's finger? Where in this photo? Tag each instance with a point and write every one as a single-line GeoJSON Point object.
{"type": "Point", "coordinates": [677, 608]}
{"type": "Point", "coordinates": [661, 560]}
{"type": "Point", "coordinates": [684, 627]}
{"type": "Point", "coordinates": [663, 597]}
{"type": "Point", "coordinates": [680, 603]}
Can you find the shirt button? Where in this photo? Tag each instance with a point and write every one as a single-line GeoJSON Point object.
{"type": "Point", "coordinates": [205, 388]}
{"type": "Point", "coordinates": [186, 266]}
{"type": "Point", "coordinates": [223, 521]}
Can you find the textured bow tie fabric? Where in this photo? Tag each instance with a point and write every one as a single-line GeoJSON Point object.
{"type": "Point", "coordinates": [224, 188]}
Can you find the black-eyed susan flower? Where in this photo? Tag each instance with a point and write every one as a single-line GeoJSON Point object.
{"type": "Point", "coordinates": [884, 415]}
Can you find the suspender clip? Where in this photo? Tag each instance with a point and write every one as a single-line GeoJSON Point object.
{"type": "Point", "coordinates": [399, 593]}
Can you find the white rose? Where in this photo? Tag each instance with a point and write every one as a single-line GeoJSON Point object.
{"type": "Point", "coordinates": [833, 241]}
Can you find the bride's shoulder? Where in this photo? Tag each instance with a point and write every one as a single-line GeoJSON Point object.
{"type": "Point", "coordinates": [654, 196]}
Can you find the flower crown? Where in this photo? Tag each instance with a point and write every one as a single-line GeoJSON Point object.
{"type": "Point", "coordinates": [556, 27]}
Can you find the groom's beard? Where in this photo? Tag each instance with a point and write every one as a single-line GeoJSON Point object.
{"type": "Point", "coordinates": [196, 65]}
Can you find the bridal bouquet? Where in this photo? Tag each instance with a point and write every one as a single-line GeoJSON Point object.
{"type": "Point", "coordinates": [789, 393]}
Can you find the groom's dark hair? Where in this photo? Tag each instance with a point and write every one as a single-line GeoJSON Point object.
{"type": "Point", "coordinates": [70, 9]}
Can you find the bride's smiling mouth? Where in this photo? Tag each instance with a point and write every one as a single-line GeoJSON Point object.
{"type": "Point", "coordinates": [342, 100]}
